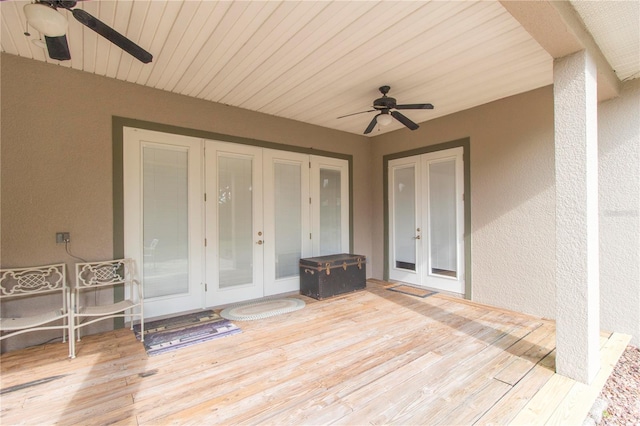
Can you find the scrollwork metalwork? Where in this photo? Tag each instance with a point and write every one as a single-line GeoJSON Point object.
{"type": "Point", "coordinates": [99, 274]}
{"type": "Point", "coordinates": [23, 281]}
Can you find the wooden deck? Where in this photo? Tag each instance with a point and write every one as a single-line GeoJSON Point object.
{"type": "Point", "coordinates": [371, 357]}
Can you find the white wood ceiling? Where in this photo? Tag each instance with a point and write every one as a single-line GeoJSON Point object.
{"type": "Point", "coordinates": [615, 26]}
{"type": "Point", "coordinates": [310, 61]}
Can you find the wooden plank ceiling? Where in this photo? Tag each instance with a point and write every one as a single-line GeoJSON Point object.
{"type": "Point", "coordinates": [308, 61]}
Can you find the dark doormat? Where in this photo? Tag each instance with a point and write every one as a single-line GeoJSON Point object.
{"type": "Point", "coordinates": [178, 332]}
{"type": "Point", "coordinates": [412, 291]}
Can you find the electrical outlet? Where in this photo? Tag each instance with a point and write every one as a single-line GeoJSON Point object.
{"type": "Point", "coordinates": [62, 237]}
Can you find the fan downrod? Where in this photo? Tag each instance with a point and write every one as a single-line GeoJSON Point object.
{"type": "Point", "coordinates": [385, 102]}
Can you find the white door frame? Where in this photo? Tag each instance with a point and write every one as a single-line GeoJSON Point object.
{"type": "Point", "coordinates": [265, 282]}
{"type": "Point", "coordinates": [217, 295]}
{"type": "Point", "coordinates": [271, 158]}
{"type": "Point", "coordinates": [134, 140]}
{"type": "Point", "coordinates": [199, 267]}
{"type": "Point", "coordinates": [423, 275]}
{"type": "Point", "coordinates": [318, 163]}
{"type": "Point", "coordinates": [397, 273]}
{"type": "Point", "coordinates": [430, 278]}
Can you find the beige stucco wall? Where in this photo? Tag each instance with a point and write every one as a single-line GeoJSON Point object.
{"type": "Point", "coordinates": [57, 161]}
{"type": "Point", "coordinates": [619, 189]}
{"type": "Point", "coordinates": [512, 197]}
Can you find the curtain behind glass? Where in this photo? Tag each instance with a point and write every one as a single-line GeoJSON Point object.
{"type": "Point", "coordinates": [165, 222]}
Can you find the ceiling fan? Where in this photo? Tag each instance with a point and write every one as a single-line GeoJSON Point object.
{"type": "Point", "coordinates": [387, 108]}
{"type": "Point", "coordinates": [43, 15]}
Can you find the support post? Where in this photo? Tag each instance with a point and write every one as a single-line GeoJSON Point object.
{"type": "Point", "coordinates": [577, 252]}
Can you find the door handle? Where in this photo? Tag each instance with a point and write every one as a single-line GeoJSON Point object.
{"type": "Point", "coordinates": [259, 242]}
{"type": "Point", "coordinates": [417, 237]}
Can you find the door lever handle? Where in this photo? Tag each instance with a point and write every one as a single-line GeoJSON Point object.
{"type": "Point", "coordinates": [417, 237]}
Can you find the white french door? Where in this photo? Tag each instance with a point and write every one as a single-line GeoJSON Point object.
{"type": "Point", "coordinates": [330, 214]}
{"type": "Point", "coordinates": [287, 217]}
{"type": "Point", "coordinates": [404, 219]}
{"type": "Point", "coordinates": [265, 210]}
{"type": "Point", "coordinates": [163, 219]}
{"type": "Point", "coordinates": [213, 223]}
{"type": "Point", "coordinates": [234, 223]}
{"type": "Point", "coordinates": [427, 220]}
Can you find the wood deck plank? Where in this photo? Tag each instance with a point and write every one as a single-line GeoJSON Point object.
{"type": "Point", "coordinates": [321, 346]}
{"type": "Point", "coordinates": [530, 352]}
{"type": "Point", "coordinates": [333, 339]}
{"type": "Point", "coordinates": [408, 402]}
{"type": "Point", "coordinates": [565, 401]}
{"type": "Point", "coordinates": [577, 403]}
{"type": "Point", "coordinates": [504, 410]}
{"type": "Point", "coordinates": [443, 396]}
{"type": "Point", "coordinates": [374, 356]}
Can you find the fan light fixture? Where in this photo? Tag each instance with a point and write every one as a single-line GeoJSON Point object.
{"type": "Point", "coordinates": [45, 19]}
{"type": "Point", "coordinates": [384, 119]}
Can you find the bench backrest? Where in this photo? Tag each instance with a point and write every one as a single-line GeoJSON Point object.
{"type": "Point", "coordinates": [34, 280]}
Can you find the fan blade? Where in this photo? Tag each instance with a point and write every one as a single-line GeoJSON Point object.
{"type": "Point", "coordinates": [371, 125]}
{"type": "Point", "coordinates": [112, 35]}
{"type": "Point", "coordinates": [404, 120]}
{"type": "Point", "coordinates": [58, 48]}
{"type": "Point", "coordinates": [415, 106]}
{"type": "Point", "coordinates": [355, 113]}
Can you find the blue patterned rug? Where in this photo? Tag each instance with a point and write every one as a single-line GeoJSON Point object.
{"type": "Point", "coordinates": [178, 332]}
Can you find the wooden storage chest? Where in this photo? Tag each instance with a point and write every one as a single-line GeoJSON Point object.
{"type": "Point", "coordinates": [326, 276]}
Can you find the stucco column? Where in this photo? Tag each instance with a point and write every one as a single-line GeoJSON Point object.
{"type": "Point", "coordinates": [576, 165]}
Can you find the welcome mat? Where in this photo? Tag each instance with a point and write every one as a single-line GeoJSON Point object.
{"type": "Point", "coordinates": [178, 332]}
{"type": "Point", "coordinates": [412, 291]}
{"type": "Point", "coordinates": [263, 309]}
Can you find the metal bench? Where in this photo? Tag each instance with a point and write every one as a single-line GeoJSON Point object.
{"type": "Point", "coordinates": [21, 283]}
{"type": "Point", "coordinates": [95, 276]}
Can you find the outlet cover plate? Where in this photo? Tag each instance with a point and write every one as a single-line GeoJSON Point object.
{"type": "Point", "coordinates": [62, 237]}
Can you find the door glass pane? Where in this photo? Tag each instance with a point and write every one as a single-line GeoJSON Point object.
{"type": "Point", "coordinates": [235, 213]}
{"type": "Point", "coordinates": [404, 210]}
{"type": "Point", "coordinates": [330, 212]}
{"type": "Point", "coordinates": [442, 218]}
{"type": "Point", "coordinates": [288, 219]}
{"type": "Point", "coordinates": [165, 222]}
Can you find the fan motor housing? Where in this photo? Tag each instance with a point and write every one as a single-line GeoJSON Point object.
{"type": "Point", "coordinates": [66, 4]}
{"type": "Point", "coordinates": [385, 102]}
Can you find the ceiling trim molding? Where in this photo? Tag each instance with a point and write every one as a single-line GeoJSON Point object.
{"type": "Point", "coordinates": [558, 28]}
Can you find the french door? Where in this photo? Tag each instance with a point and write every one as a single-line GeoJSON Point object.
{"type": "Point", "coordinates": [212, 223]}
{"type": "Point", "coordinates": [234, 223]}
{"type": "Point", "coordinates": [261, 218]}
{"type": "Point", "coordinates": [426, 217]}
{"type": "Point", "coordinates": [287, 216]}
{"type": "Point", "coordinates": [163, 221]}
{"type": "Point", "coordinates": [330, 214]}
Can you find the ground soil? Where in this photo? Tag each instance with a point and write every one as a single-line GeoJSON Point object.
{"type": "Point", "coordinates": [622, 391]}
